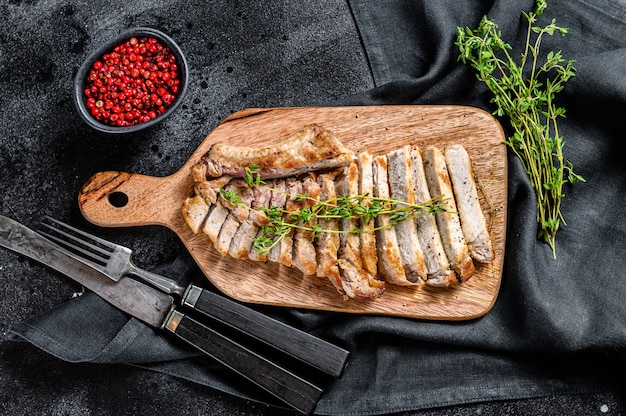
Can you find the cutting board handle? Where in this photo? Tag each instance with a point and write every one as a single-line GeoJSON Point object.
{"type": "Point", "coordinates": [120, 199]}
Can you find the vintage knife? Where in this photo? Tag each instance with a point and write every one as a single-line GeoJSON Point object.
{"type": "Point", "coordinates": [157, 309]}
{"type": "Point", "coordinates": [115, 261]}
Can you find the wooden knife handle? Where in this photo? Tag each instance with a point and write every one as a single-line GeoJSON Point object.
{"type": "Point", "coordinates": [281, 383]}
{"type": "Point", "coordinates": [301, 345]}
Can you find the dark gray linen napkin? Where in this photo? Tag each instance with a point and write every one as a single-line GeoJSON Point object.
{"type": "Point", "coordinates": [557, 325]}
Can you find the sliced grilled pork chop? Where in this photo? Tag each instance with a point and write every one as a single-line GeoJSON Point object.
{"type": "Point", "coordinates": [368, 236]}
{"type": "Point", "coordinates": [278, 199]}
{"type": "Point", "coordinates": [215, 220]}
{"type": "Point", "coordinates": [209, 190]}
{"type": "Point", "coordinates": [293, 187]}
{"type": "Point", "coordinates": [304, 255]}
{"type": "Point", "coordinates": [472, 219]}
{"type": "Point", "coordinates": [243, 239]}
{"type": "Point", "coordinates": [262, 198]}
{"type": "Point", "coordinates": [227, 232]}
{"type": "Point", "coordinates": [195, 210]}
{"type": "Point", "coordinates": [361, 283]}
{"type": "Point", "coordinates": [309, 149]}
{"type": "Point", "coordinates": [400, 173]}
{"type": "Point", "coordinates": [390, 265]}
{"type": "Point", "coordinates": [327, 243]}
{"type": "Point", "coordinates": [437, 264]}
{"type": "Point", "coordinates": [351, 254]}
{"type": "Point", "coordinates": [448, 221]}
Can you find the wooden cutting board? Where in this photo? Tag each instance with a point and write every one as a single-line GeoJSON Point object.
{"type": "Point", "coordinates": [116, 199]}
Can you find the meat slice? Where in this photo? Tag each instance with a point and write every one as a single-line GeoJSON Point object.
{"type": "Point", "coordinates": [327, 242]}
{"type": "Point", "coordinates": [448, 222]}
{"type": "Point", "coordinates": [293, 188]}
{"type": "Point", "coordinates": [356, 280]}
{"type": "Point", "coordinates": [278, 199]}
{"type": "Point", "coordinates": [304, 255]}
{"type": "Point", "coordinates": [368, 237]}
{"type": "Point", "coordinates": [227, 232]}
{"type": "Point", "coordinates": [261, 198]}
{"type": "Point", "coordinates": [400, 174]}
{"type": "Point", "coordinates": [209, 190]}
{"type": "Point", "coordinates": [437, 265]}
{"type": "Point", "coordinates": [241, 210]}
{"type": "Point", "coordinates": [389, 260]}
{"type": "Point", "coordinates": [472, 219]}
{"type": "Point", "coordinates": [195, 210]}
{"type": "Point", "coordinates": [242, 240]}
{"type": "Point", "coordinates": [225, 217]}
{"type": "Point", "coordinates": [215, 220]}
{"type": "Point", "coordinates": [309, 149]}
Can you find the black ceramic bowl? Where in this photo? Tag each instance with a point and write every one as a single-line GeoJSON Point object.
{"type": "Point", "coordinates": [80, 82]}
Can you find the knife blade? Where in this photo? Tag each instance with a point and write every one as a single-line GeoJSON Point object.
{"type": "Point", "coordinates": [157, 309]}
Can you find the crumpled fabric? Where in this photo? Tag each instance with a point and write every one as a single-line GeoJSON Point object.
{"type": "Point", "coordinates": [557, 325]}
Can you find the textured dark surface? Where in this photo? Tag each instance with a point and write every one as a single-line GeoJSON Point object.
{"type": "Point", "coordinates": [241, 54]}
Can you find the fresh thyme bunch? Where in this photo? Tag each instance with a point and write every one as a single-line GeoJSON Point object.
{"type": "Point", "coordinates": [524, 92]}
{"type": "Point", "coordinates": [281, 222]}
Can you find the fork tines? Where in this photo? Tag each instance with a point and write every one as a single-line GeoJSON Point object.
{"type": "Point", "coordinates": [77, 241]}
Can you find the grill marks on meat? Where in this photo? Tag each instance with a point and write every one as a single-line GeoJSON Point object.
{"type": "Point", "coordinates": [358, 258]}
{"type": "Point", "coordinates": [310, 149]}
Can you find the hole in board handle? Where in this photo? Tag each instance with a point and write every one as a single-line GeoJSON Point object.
{"type": "Point", "coordinates": [118, 199]}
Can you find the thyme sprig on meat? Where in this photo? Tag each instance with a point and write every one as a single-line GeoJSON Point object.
{"type": "Point", "coordinates": [281, 222]}
{"type": "Point", "coordinates": [525, 92]}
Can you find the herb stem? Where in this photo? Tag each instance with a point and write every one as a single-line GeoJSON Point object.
{"type": "Point", "coordinates": [282, 222]}
{"type": "Point", "coordinates": [526, 98]}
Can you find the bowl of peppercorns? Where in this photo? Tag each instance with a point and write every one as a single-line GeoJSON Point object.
{"type": "Point", "coordinates": [131, 82]}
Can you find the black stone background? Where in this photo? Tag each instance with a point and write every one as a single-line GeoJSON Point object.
{"type": "Point", "coordinates": [241, 54]}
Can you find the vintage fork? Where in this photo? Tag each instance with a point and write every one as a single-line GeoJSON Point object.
{"type": "Point", "coordinates": [115, 261]}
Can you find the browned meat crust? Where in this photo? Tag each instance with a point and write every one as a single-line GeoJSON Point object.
{"type": "Point", "coordinates": [309, 149]}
